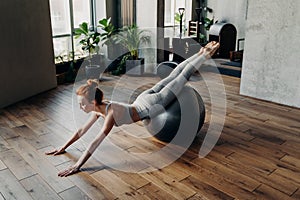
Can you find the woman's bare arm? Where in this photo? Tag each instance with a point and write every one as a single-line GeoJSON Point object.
{"type": "Point", "coordinates": [107, 126]}
{"type": "Point", "coordinates": [79, 133]}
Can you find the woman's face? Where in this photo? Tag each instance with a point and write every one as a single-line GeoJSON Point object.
{"type": "Point", "coordinates": [84, 104]}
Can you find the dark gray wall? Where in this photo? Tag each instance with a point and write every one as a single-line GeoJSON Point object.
{"type": "Point", "coordinates": [27, 65]}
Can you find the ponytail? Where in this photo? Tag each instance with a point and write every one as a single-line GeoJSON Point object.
{"type": "Point", "coordinates": [91, 91]}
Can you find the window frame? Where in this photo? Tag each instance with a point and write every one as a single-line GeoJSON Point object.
{"type": "Point", "coordinates": [92, 22]}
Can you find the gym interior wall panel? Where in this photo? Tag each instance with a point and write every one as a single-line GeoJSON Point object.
{"type": "Point", "coordinates": [27, 61]}
{"type": "Point", "coordinates": [272, 55]}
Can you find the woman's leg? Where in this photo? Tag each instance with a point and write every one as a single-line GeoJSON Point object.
{"type": "Point", "coordinates": [180, 77]}
{"type": "Point", "coordinates": [167, 89]}
{"type": "Point", "coordinates": [189, 66]}
{"type": "Point", "coordinates": [175, 72]}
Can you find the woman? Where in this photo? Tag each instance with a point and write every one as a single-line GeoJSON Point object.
{"type": "Point", "coordinates": [90, 99]}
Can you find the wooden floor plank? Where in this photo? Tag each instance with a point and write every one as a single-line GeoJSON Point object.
{"type": "Point", "coordinates": [292, 148]}
{"type": "Point", "coordinates": [174, 173]}
{"type": "Point", "coordinates": [73, 193]}
{"type": "Point", "coordinates": [7, 133]}
{"type": "Point", "coordinates": [39, 163]}
{"type": "Point", "coordinates": [258, 163]}
{"type": "Point", "coordinates": [1, 196]}
{"type": "Point", "coordinates": [39, 189]}
{"type": "Point", "coordinates": [291, 160]}
{"type": "Point", "coordinates": [2, 165]}
{"type": "Point", "coordinates": [19, 167]}
{"type": "Point", "coordinates": [282, 184]}
{"type": "Point", "coordinates": [296, 195]}
{"type": "Point", "coordinates": [269, 193]}
{"type": "Point", "coordinates": [293, 176]}
{"type": "Point", "coordinates": [112, 182]}
{"type": "Point", "coordinates": [205, 191]}
{"type": "Point", "coordinates": [88, 185]}
{"type": "Point", "coordinates": [10, 119]}
{"type": "Point", "coordinates": [173, 187]}
{"type": "Point", "coordinates": [215, 180]}
{"type": "Point", "coordinates": [11, 188]}
{"type": "Point", "coordinates": [133, 179]}
{"type": "Point", "coordinates": [135, 195]}
{"type": "Point", "coordinates": [31, 137]}
{"type": "Point", "coordinates": [258, 173]}
{"type": "Point", "coordinates": [39, 128]}
{"type": "Point", "coordinates": [4, 146]}
{"type": "Point", "coordinates": [230, 175]}
{"type": "Point", "coordinates": [155, 192]}
{"type": "Point", "coordinates": [285, 147]}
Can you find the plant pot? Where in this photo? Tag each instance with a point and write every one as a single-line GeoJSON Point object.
{"type": "Point", "coordinates": [61, 78]}
{"type": "Point", "coordinates": [98, 59]}
{"type": "Point", "coordinates": [135, 67]}
{"type": "Point", "coordinates": [93, 72]}
{"type": "Point", "coordinates": [115, 50]}
{"type": "Point", "coordinates": [78, 63]}
{"type": "Point", "coordinates": [62, 67]}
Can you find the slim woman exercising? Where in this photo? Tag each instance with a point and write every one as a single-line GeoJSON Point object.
{"type": "Point", "coordinates": [90, 99]}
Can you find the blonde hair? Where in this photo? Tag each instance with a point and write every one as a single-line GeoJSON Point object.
{"type": "Point", "coordinates": [91, 91]}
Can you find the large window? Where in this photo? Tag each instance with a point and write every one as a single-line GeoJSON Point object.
{"type": "Point", "coordinates": [82, 11]}
{"type": "Point", "coordinates": [60, 17]}
{"type": "Point", "coordinates": [66, 15]}
{"type": "Point", "coordinates": [171, 8]}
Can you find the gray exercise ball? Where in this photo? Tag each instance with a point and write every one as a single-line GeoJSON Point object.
{"type": "Point", "coordinates": [186, 111]}
{"type": "Point", "coordinates": [165, 68]}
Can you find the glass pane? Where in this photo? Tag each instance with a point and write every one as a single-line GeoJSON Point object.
{"type": "Point", "coordinates": [81, 12]}
{"type": "Point", "coordinates": [100, 9]}
{"type": "Point", "coordinates": [62, 48]}
{"type": "Point", "coordinates": [169, 13]}
{"type": "Point", "coordinates": [60, 17]}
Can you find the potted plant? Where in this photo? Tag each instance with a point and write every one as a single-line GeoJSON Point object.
{"type": "Point", "coordinates": [108, 30]}
{"type": "Point", "coordinates": [203, 36]}
{"type": "Point", "coordinates": [62, 63]}
{"type": "Point", "coordinates": [65, 70]}
{"type": "Point", "coordinates": [89, 41]}
{"type": "Point", "coordinates": [131, 38]}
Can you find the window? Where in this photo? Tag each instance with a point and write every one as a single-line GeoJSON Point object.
{"type": "Point", "coordinates": [60, 17]}
{"type": "Point", "coordinates": [81, 11]}
{"type": "Point", "coordinates": [169, 13]}
{"type": "Point", "coordinates": [171, 8]}
{"type": "Point", "coordinates": [65, 16]}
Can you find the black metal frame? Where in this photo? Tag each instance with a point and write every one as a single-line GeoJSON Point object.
{"type": "Point", "coordinates": [92, 22]}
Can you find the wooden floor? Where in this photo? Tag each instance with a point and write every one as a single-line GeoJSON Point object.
{"type": "Point", "coordinates": [256, 157]}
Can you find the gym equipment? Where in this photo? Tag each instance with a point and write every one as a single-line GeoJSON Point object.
{"type": "Point", "coordinates": [225, 34]}
{"type": "Point", "coordinates": [165, 68]}
{"type": "Point", "coordinates": [184, 115]}
{"type": "Point", "coordinates": [165, 125]}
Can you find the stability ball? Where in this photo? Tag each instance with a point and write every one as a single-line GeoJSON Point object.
{"type": "Point", "coordinates": [165, 68]}
{"type": "Point", "coordinates": [185, 114]}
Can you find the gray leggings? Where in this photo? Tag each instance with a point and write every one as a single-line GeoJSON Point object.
{"type": "Point", "coordinates": [150, 101]}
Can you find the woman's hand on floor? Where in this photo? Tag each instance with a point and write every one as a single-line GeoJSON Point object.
{"type": "Point", "coordinates": [69, 171]}
{"type": "Point", "coordinates": [56, 151]}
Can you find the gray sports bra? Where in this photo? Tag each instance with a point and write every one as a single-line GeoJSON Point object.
{"type": "Point", "coordinates": [123, 116]}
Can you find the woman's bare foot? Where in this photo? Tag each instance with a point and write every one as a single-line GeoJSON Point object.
{"type": "Point", "coordinates": [210, 49]}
